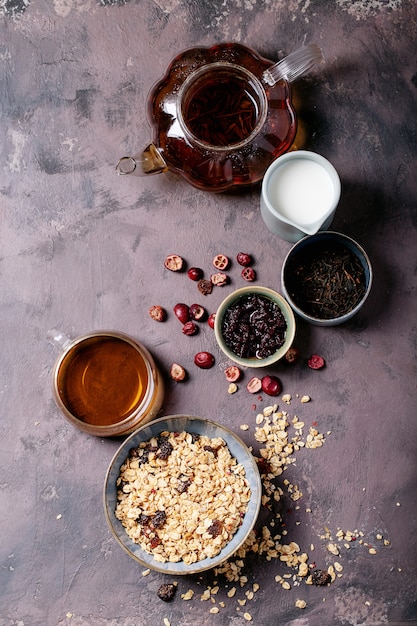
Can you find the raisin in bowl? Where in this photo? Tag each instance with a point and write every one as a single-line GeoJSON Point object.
{"type": "Point", "coordinates": [254, 326]}
{"type": "Point", "coordinates": [182, 494]}
{"type": "Point", "coordinates": [326, 278]}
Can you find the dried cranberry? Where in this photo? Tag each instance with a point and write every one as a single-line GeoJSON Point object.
{"type": "Point", "coordinates": [220, 279]}
{"type": "Point", "coordinates": [214, 451]}
{"type": "Point", "coordinates": [195, 273]}
{"type": "Point", "coordinates": [164, 449]}
{"type": "Point", "coordinates": [177, 373]}
{"type": "Point", "coordinates": [320, 578]}
{"type": "Point", "coordinates": [232, 373]}
{"type": "Point", "coordinates": [198, 312]}
{"type": "Point", "coordinates": [316, 362]}
{"type": "Point", "coordinates": [211, 319]}
{"type": "Point", "coordinates": [244, 259]}
{"type": "Point", "coordinates": [155, 541]}
{"type": "Point", "coordinates": [221, 262]}
{"type": "Point", "coordinates": [271, 385]}
{"type": "Point", "coordinates": [190, 329]}
{"type": "Point", "coordinates": [183, 483]}
{"type": "Point", "coordinates": [174, 262]}
{"type": "Point", "coordinates": [159, 519]}
{"type": "Point", "coordinates": [216, 528]}
{"type": "Point", "coordinates": [254, 385]}
{"type": "Point", "coordinates": [167, 591]}
{"type": "Point", "coordinates": [182, 312]}
{"type": "Point", "coordinates": [249, 274]}
{"type": "Point", "coordinates": [292, 355]}
{"type": "Point", "coordinates": [204, 360]}
{"type": "Point", "coordinates": [158, 313]}
{"type": "Point", "coordinates": [205, 286]}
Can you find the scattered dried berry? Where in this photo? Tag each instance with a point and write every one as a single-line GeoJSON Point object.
{"type": "Point", "coordinates": [198, 312]}
{"type": "Point", "coordinates": [215, 529]}
{"type": "Point", "coordinates": [292, 355]}
{"type": "Point", "coordinates": [158, 313]}
{"type": "Point", "coordinates": [232, 373]}
{"type": "Point", "coordinates": [164, 450]}
{"type": "Point", "coordinates": [183, 483]}
{"type": "Point", "coordinates": [182, 312]}
{"type": "Point", "coordinates": [320, 578]}
{"type": "Point", "coordinates": [271, 385]}
{"type": "Point", "coordinates": [177, 373]}
{"type": "Point", "coordinates": [316, 362]}
{"type": "Point", "coordinates": [204, 360]}
{"type": "Point", "coordinates": [254, 385]}
{"type": "Point", "coordinates": [167, 591]}
{"type": "Point", "coordinates": [221, 262]}
{"type": "Point", "coordinates": [190, 329]}
{"type": "Point", "coordinates": [205, 286]}
{"type": "Point", "coordinates": [160, 517]}
{"type": "Point", "coordinates": [174, 262]}
{"type": "Point", "coordinates": [244, 259]}
{"type": "Point", "coordinates": [195, 273]}
{"type": "Point", "coordinates": [220, 279]}
{"type": "Point", "coordinates": [249, 274]}
{"type": "Point", "coordinates": [211, 319]}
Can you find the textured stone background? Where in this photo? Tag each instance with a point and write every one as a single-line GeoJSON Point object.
{"type": "Point", "coordinates": [81, 249]}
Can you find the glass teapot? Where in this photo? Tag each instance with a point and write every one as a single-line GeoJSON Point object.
{"type": "Point", "coordinates": [221, 115]}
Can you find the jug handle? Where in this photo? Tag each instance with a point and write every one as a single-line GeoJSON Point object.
{"type": "Point", "coordinates": [150, 161]}
{"type": "Point", "coordinates": [58, 338]}
{"type": "Point", "coordinates": [294, 65]}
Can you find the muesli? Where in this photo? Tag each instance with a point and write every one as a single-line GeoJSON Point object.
{"type": "Point", "coordinates": [182, 496]}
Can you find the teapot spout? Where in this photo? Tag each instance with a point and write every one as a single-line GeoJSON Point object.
{"type": "Point", "coordinates": [150, 161]}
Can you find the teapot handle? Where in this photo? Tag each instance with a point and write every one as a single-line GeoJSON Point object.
{"type": "Point", "coordinates": [150, 161]}
{"type": "Point", "coordinates": [294, 65]}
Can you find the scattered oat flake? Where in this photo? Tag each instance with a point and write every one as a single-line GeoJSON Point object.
{"type": "Point", "coordinates": [286, 398]}
{"type": "Point", "coordinates": [146, 572]}
{"type": "Point", "coordinates": [332, 547]}
{"type": "Point", "coordinates": [231, 592]}
{"type": "Point", "coordinates": [59, 516]}
{"type": "Point", "coordinates": [187, 595]}
{"type": "Point", "coordinates": [305, 399]}
{"type": "Point", "coordinates": [244, 427]}
{"type": "Point", "coordinates": [232, 388]}
{"type": "Point", "coordinates": [214, 609]}
{"type": "Point", "coordinates": [372, 551]}
{"type": "Point", "coordinates": [247, 616]}
{"type": "Point", "coordinates": [167, 622]}
{"type": "Point", "coordinates": [68, 615]}
{"type": "Point", "coordinates": [300, 604]}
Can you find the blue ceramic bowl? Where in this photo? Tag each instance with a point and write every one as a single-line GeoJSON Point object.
{"type": "Point", "coordinates": [179, 423]}
{"type": "Point", "coordinates": [314, 247]}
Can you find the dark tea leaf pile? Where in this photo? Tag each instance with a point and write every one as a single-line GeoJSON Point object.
{"type": "Point", "coordinates": [326, 282]}
{"type": "Point", "coordinates": [254, 327]}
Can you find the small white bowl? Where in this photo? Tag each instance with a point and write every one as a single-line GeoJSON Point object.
{"type": "Point", "coordinates": [315, 245]}
{"type": "Point", "coordinates": [299, 196]}
{"type": "Point", "coordinates": [285, 309]}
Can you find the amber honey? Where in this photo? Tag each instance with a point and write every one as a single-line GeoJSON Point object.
{"type": "Point", "coordinates": [102, 380]}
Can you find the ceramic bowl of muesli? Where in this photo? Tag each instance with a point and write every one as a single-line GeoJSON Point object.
{"type": "Point", "coordinates": [182, 494]}
{"type": "Point", "coordinates": [254, 326]}
{"type": "Point", "coordinates": [326, 278]}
